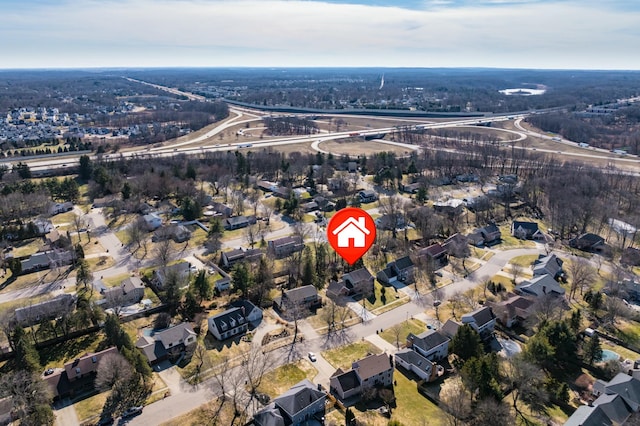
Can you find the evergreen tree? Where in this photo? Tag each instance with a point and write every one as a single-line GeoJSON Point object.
{"type": "Point", "coordinates": [26, 355]}
{"type": "Point", "coordinates": [189, 307]}
{"type": "Point", "coordinates": [466, 343]}
{"type": "Point", "coordinates": [241, 279]}
{"type": "Point", "coordinates": [593, 349]}
{"type": "Point", "coordinates": [202, 286]}
{"type": "Point", "coordinates": [85, 169]}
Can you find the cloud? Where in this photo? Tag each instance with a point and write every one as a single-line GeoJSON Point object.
{"type": "Point", "coordinates": [515, 33]}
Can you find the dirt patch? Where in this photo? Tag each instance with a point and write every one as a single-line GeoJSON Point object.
{"type": "Point", "coordinates": [361, 147]}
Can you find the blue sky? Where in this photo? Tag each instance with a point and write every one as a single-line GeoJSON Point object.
{"type": "Point", "coordinates": [557, 34]}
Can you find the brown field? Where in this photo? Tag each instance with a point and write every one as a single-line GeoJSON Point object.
{"type": "Point", "coordinates": [361, 147]}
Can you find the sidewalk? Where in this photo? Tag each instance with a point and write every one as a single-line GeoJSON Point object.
{"type": "Point", "coordinates": [359, 310]}
{"type": "Point", "coordinates": [381, 343]}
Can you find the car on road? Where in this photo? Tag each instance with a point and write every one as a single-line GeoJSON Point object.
{"type": "Point", "coordinates": [48, 372]}
{"type": "Point", "coordinates": [312, 357]}
{"type": "Point", "coordinates": [132, 411]}
{"type": "Point", "coordinates": [437, 303]}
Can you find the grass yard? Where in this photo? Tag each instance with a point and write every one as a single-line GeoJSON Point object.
{"type": "Point", "coordinates": [413, 408]}
{"type": "Point", "coordinates": [376, 300]}
{"type": "Point", "coordinates": [90, 407]}
{"type": "Point", "coordinates": [63, 219]}
{"type": "Point", "coordinates": [149, 294]}
{"type": "Point", "coordinates": [23, 281]}
{"type": "Point", "coordinates": [510, 241]}
{"type": "Point", "coordinates": [344, 356]}
{"type": "Point", "coordinates": [26, 247]}
{"type": "Point", "coordinates": [411, 326]}
{"type": "Point", "coordinates": [115, 280]}
{"type": "Point", "coordinates": [524, 261]}
{"type": "Point", "coordinates": [58, 355]}
{"type": "Point", "coordinates": [93, 247]}
{"type": "Point", "coordinates": [210, 413]}
{"type": "Point", "coordinates": [277, 381]}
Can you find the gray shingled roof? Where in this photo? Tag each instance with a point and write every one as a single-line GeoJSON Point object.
{"type": "Point", "coordinates": [428, 340]}
{"type": "Point", "coordinates": [372, 365]}
{"type": "Point", "coordinates": [299, 397]}
{"type": "Point", "coordinates": [174, 334]}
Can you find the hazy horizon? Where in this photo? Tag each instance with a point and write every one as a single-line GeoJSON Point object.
{"type": "Point", "coordinates": [494, 34]}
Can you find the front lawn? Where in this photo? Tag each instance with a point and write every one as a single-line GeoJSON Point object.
{"type": "Point", "coordinates": [524, 261]}
{"type": "Point", "coordinates": [90, 407]}
{"type": "Point", "coordinates": [277, 381]}
{"type": "Point", "coordinates": [57, 355]}
{"type": "Point", "coordinates": [413, 408]}
{"type": "Point", "coordinates": [411, 326]}
{"type": "Point", "coordinates": [344, 356]}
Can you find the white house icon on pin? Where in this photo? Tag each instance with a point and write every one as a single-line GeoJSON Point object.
{"type": "Point", "coordinates": [352, 230]}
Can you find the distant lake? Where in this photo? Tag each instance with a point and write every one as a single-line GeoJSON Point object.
{"type": "Point", "coordinates": [522, 91]}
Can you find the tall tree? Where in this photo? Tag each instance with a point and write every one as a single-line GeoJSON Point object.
{"type": "Point", "coordinates": [26, 355]}
{"type": "Point", "coordinates": [202, 286]}
{"type": "Point", "coordinates": [466, 343]}
{"type": "Point", "coordinates": [85, 169]}
{"type": "Point", "coordinates": [592, 349]}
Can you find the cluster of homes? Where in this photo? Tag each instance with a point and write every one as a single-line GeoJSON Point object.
{"type": "Point", "coordinates": [617, 400]}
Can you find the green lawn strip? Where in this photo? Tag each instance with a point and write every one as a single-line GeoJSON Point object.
{"type": "Point", "coordinates": [277, 381]}
{"type": "Point", "coordinates": [149, 294]}
{"type": "Point", "coordinates": [506, 282]}
{"type": "Point", "coordinates": [411, 326]}
{"type": "Point", "coordinates": [510, 241]}
{"type": "Point", "coordinates": [25, 281]}
{"type": "Point", "coordinates": [343, 357]}
{"type": "Point", "coordinates": [90, 407]}
{"type": "Point", "coordinates": [63, 218]}
{"type": "Point", "coordinates": [413, 408]}
{"type": "Point", "coordinates": [376, 300]}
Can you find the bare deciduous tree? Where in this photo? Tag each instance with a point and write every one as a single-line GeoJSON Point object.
{"type": "Point", "coordinates": [457, 402]}
{"type": "Point", "coordinates": [582, 274]}
{"type": "Point", "coordinates": [111, 369]}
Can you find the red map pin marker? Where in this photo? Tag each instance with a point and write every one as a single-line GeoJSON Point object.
{"type": "Point", "coordinates": [351, 232]}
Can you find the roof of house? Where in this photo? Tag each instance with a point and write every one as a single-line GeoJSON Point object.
{"type": "Point", "coordinates": [234, 254]}
{"type": "Point", "coordinates": [244, 304]}
{"type": "Point", "coordinates": [174, 334]}
{"type": "Point", "coordinates": [298, 294]}
{"type": "Point", "coordinates": [515, 306]}
{"type": "Point", "coordinates": [434, 250]}
{"type": "Point", "coordinates": [588, 416]}
{"type": "Point", "coordinates": [428, 339]}
{"type": "Point", "coordinates": [530, 227]}
{"type": "Point", "coordinates": [626, 386]}
{"type": "Point", "coordinates": [550, 264]}
{"type": "Point", "coordinates": [291, 239]}
{"type": "Point", "coordinates": [46, 308]}
{"type": "Point", "coordinates": [269, 416]}
{"type": "Point", "coordinates": [372, 365]}
{"type": "Point", "coordinates": [414, 358]}
{"type": "Point", "coordinates": [540, 285]}
{"type": "Point", "coordinates": [87, 363]}
{"type": "Point", "coordinates": [131, 283]}
{"type": "Point", "coordinates": [359, 275]}
{"type": "Point", "coordinates": [151, 348]}
{"type": "Point", "coordinates": [481, 316]}
{"type": "Point", "coordinates": [614, 406]}
{"type": "Point", "coordinates": [299, 397]}
{"type": "Point", "coordinates": [235, 220]}
{"type": "Point", "coordinates": [348, 381]}
{"type": "Point", "coordinates": [223, 320]}
{"type": "Point", "coordinates": [450, 328]}
{"type": "Point", "coordinates": [403, 263]}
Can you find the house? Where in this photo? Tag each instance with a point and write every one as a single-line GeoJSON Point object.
{"type": "Point", "coordinates": [431, 344]}
{"type": "Point", "coordinates": [419, 365]}
{"type": "Point", "coordinates": [221, 209]}
{"type": "Point", "coordinates": [52, 239]}
{"type": "Point", "coordinates": [411, 188]}
{"type": "Point", "coordinates": [108, 201]}
{"type": "Point", "coordinates": [454, 243]}
{"type": "Point", "coordinates": [49, 259]}
{"type": "Point", "coordinates": [399, 270]}
{"type": "Point", "coordinates": [368, 372]}
{"type": "Point", "coordinates": [229, 258]}
{"type": "Point", "coordinates": [168, 343]}
{"type": "Point", "coordinates": [490, 234]}
{"type": "Point", "coordinates": [632, 288]}
{"type": "Point", "coordinates": [251, 312]}
{"type": "Point", "coordinates": [359, 281]}
{"type": "Point", "coordinates": [77, 376]}
{"type": "Point", "coordinates": [86, 365]}
{"type": "Point", "coordinates": [482, 320]}
{"type": "Point", "coordinates": [310, 206]}
{"type": "Point", "coordinates": [452, 207]}
{"type": "Point", "coordinates": [352, 232]}
{"type": "Point", "coordinates": [435, 253]}
{"type": "Point", "coordinates": [282, 192]}
{"type": "Point", "coordinates": [266, 186]}
{"type": "Point", "coordinates": [49, 309]}
{"type": "Point", "coordinates": [526, 230]}
{"type": "Point", "coordinates": [475, 239]}
{"type": "Point", "coordinates": [367, 196]}
{"type": "Point", "coordinates": [324, 204]}
{"type": "Point", "coordinates": [176, 232]}
{"type": "Point", "coordinates": [57, 208]}
{"type": "Point", "coordinates": [300, 404]}
{"type": "Point", "coordinates": [512, 311]}
{"type": "Point", "coordinates": [152, 221]}
{"type": "Point", "coordinates": [617, 400]}
{"type": "Point", "coordinates": [549, 265]}
{"type": "Point", "coordinates": [286, 246]}
{"type": "Point", "coordinates": [587, 242]}
{"type": "Point", "coordinates": [540, 286]}
{"type": "Point", "coordinates": [130, 291]}
{"type": "Point", "coordinates": [449, 328]}
{"type": "Point", "coordinates": [182, 271]}
{"type": "Point", "coordinates": [389, 222]}
{"type": "Point", "coordinates": [43, 226]}
{"type": "Point", "coordinates": [238, 222]}
{"type": "Point", "coordinates": [227, 324]}
{"type": "Point", "coordinates": [305, 297]}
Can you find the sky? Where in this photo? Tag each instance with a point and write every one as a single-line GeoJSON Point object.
{"type": "Point", "coordinates": [546, 34]}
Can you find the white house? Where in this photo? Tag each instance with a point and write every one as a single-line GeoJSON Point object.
{"type": "Point", "coordinates": [251, 312]}
{"type": "Point", "coordinates": [431, 344]}
{"type": "Point", "coordinates": [152, 221]}
{"type": "Point", "coordinates": [229, 323]}
{"type": "Point", "coordinates": [482, 320]}
{"type": "Point", "coordinates": [352, 230]}
{"type": "Point", "coordinates": [422, 367]}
